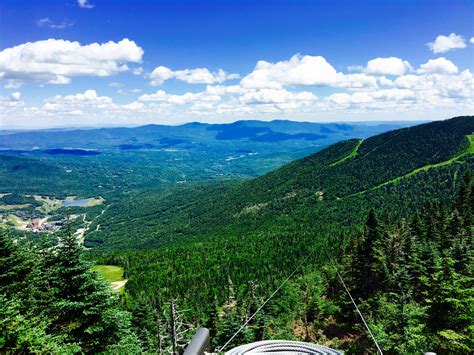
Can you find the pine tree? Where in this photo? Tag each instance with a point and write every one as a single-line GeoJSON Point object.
{"type": "Point", "coordinates": [83, 307]}
{"type": "Point", "coordinates": [16, 263]}
{"type": "Point", "coordinates": [364, 269]}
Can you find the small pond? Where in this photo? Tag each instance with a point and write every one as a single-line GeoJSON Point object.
{"type": "Point", "coordinates": [76, 203]}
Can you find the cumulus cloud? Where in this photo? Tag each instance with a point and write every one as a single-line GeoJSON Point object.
{"type": "Point", "coordinates": [355, 68]}
{"type": "Point", "coordinates": [47, 22]}
{"type": "Point", "coordinates": [16, 96]}
{"type": "Point", "coordinates": [56, 61]}
{"type": "Point", "coordinates": [372, 97]}
{"type": "Point", "coordinates": [276, 96]}
{"type": "Point", "coordinates": [134, 106]}
{"type": "Point", "coordinates": [225, 90]}
{"type": "Point", "coordinates": [191, 76]}
{"type": "Point", "coordinates": [472, 40]}
{"type": "Point", "coordinates": [271, 90]}
{"type": "Point", "coordinates": [438, 66]}
{"type": "Point", "coordinates": [85, 4]}
{"type": "Point", "coordinates": [78, 102]}
{"type": "Point", "coordinates": [189, 97]}
{"type": "Point", "coordinates": [446, 43]}
{"type": "Point", "coordinates": [302, 70]}
{"type": "Point", "coordinates": [307, 70]}
{"type": "Point", "coordinates": [387, 66]}
{"type": "Point", "coordinates": [457, 87]}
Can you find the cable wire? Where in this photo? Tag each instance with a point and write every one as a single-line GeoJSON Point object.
{"type": "Point", "coordinates": [266, 301]}
{"type": "Point", "coordinates": [353, 302]}
{"type": "Point", "coordinates": [285, 281]}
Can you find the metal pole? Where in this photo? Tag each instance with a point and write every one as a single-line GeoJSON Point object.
{"type": "Point", "coordinates": [200, 343]}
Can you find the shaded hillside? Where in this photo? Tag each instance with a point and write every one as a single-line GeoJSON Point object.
{"type": "Point", "coordinates": [330, 187]}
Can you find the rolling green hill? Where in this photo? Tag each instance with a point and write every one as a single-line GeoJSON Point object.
{"type": "Point", "coordinates": [397, 172]}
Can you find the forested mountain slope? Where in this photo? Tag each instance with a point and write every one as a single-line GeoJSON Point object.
{"type": "Point", "coordinates": [404, 248]}
{"type": "Point", "coordinates": [394, 211]}
{"type": "Point", "coordinates": [397, 172]}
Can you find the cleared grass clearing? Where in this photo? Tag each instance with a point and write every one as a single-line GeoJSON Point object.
{"type": "Point", "coordinates": [95, 202]}
{"type": "Point", "coordinates": [48, 204]}
{"type": "Point", "coordinates": [469, 150]}
{"type": "Point", "coordinates": [351, 155]}
{"type": "Point", "coordinates": [113, 274]}
{"type": "Point", "coordinates": [17, 222]}
{"type": "Point", "coordinates": [13, 207]}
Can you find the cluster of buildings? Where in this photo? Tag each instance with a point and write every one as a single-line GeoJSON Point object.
{"type": "Point", "coordinates": [40, 225]}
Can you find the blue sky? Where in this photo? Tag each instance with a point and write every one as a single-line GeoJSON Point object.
{"type": "Point", "coordinates": [58, 83]}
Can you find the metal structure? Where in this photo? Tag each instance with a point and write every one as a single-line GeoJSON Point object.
{"type": "Point", "coordinates": [200, 345]}
{"type": "Point", "coordinates": [282, 347]}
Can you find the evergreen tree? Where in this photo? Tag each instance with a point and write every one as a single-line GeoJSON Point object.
{"type": "Point", "coordinates": [55, 303]}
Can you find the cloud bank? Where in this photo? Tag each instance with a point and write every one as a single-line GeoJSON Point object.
{"type": "Point", "coordinates": [57, 61]}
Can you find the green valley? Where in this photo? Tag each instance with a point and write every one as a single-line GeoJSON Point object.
{"type": "Point", "coordinates": [395, 207]}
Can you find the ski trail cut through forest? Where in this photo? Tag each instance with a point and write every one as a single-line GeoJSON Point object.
{"type": "Point", "coordinates": [469, 150]}
{"type": "Point", "coordinates": [351, 155]}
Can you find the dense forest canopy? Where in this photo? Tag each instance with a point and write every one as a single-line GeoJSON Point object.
{"type": "Point", "coordinates": [394, 211]}
{"type": "Point", "coordinates": [395, 172]}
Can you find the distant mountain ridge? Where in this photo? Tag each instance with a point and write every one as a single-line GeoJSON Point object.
{"type": "Point", "coordinates": [259, 132]}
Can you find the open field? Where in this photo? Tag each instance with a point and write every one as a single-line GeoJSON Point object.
{"type": "Point", "coordinates": [113, 274]}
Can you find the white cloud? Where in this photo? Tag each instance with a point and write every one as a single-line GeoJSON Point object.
{"type": "Point", "coordinates": [126, 92]}
{"type": "Point", "coordinates": [202, 106]}
{"type": "Point", "coordinates": [446, 43]}
{"type": "Point", "coordinates": [12, 84]}
{"type": "Point", "coordinates": [371, 100]}
{"type": "Point", "coordinates": [438, 66]}
{"type": "Point", "coordinates": [16, 96]}
{"type": "Point", "coordinates": [456, 87]}
{"type": "Point", "coordinates": [134, 106]}
{"type": "Point", "coordinates": [357, 81]}
{"type": "Point", "coordinates": [88, 99]}
{"type": "Point", "coordinates": [189, 97]}
{"type": "Point", "coordinates": [191, 76]}
{"type": "Point", "coordinates": [56, 61]}
{"type": "Point", "coordinates": [270, 91]}
{"type": "Point", "coordinates": [160, 74]}
{"type": "Point", "coordinates": [59, 79]}
{"type": "Point", "coordinates": [355, 68]}
{"type": "Point", "coordinates": [85, 4]}
{"type": "Point", "coordinates": [472, 40]}
{"type": "Point", "coordinates": [387, 66]}
{"type": "Point", "coordinates": [225, 90]}
{"type": "Point", "coordinates": [276, 96]}
{"type": "Point", "coordinates": [116, 84]}
{"type": "Point", "coordinates": [137, 71]}
{"type": "Point", "coordinates": [384, 81]}
{"type": "Point", "coordinates": [301, 70]}
{"type": "Point", "coordinates": [47, 22]}
{"type": "Point", "coordinates": [408, 81]}
{"type": "Point", "coordinates": [307, 70]}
